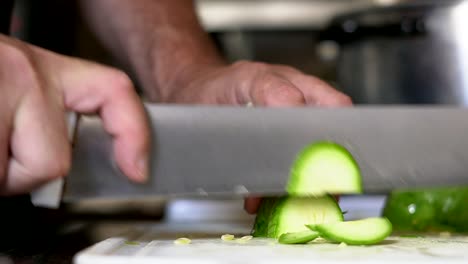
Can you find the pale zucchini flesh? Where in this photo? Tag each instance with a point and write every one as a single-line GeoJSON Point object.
{"type": "Point", "coordinates": [324, 167]}
{"type": "Point", "coordinates": [302, 237]}
{"type": "Point", "coordinates": [291, 214]}
{"type": "Point", "coordinates": [359, 232]}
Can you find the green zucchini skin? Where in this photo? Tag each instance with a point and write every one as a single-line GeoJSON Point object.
{"type": "Point", "coordinates": [359, 232]}
{"type": "Point", "coordinates": [279, 215]}
{"type": "Point", "coordinates": [428, 210]}
{"type": "Point", "coordinates": [302, 237]}
{"type": "Point", "coordinates": [320, 169]}
{"type": "Point", "coordinates": [267, 205]}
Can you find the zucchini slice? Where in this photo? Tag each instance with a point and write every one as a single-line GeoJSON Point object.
{"type": "Point", "coordinates": [359, 232]}
{"type": "Point", "coordinates": [324, 167]}
{"type": "Point", "coordinates": [277, 216]}
{"type": "Point", "coordinates": [302, 237]}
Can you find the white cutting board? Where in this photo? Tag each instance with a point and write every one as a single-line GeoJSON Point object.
{"type": "Point", "coordinates": [150, 245]}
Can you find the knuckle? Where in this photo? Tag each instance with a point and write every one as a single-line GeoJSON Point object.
{"type": "Point", "coordinates": [285, 69]}
{"type": "Point", "coordinates": [284, 93]}
{"type": "Point", "coordinates": [11, 52]}
{"type": "Point", "coordinates": [274, 89]}
{"type": "Point", "coordinates": [18, 66]}
{"type": "Point", "coordinates": [342, 99]}
{"type": "Point", "coordinates": [16, 58]}
{"type": "Point", "coordinates": [58, 170]}
{"type": "Point", "coordinates": [250, 67]}
{"type": "Point", "coordinates": [273, 85]}
{"type": "Point", "coordinates": [120, 82]}
{"type": "Point", "coordinates": [262, 86]}
{"type": "Point", "coordinates": [345, 99]}
{"type": "Point", "coordinates": [267, 82]}
{"type": "Point", "coordinates": [52, 168]}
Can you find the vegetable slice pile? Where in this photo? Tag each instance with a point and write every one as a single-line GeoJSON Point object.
{"type": "Point", "coordinates": [309, 211]}
{"type": "Point", "coordinates": [289, 214]}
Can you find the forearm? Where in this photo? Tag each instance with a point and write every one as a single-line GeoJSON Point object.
{"type": "Point", "coordinates": [161, 40]}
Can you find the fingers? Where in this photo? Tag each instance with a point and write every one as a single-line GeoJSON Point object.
{"type": "Point", "coordinates": [316, 91]}
{"type": "Point", "coordinates": [39, 144]}
{"type": "Point", "coordinates": [278, 85]}
{"type": "Point", "coordinates": [320, 93]}
{"type": "Point", "coordinates": [251, 204]}
{"type": "Point", "coordinates": [32, 130]}
{"type": "Point", "coordinates": [92, 88]}
{"type": "Point", "coordinates": [273, 90]}
{"type": "Point", "coordinates": [38, 88]}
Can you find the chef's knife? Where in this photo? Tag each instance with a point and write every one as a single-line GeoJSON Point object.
{"type": "Point", "coordinates": [221, 150]}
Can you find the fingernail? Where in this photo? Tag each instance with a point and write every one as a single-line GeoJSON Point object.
{"type": "Point", "coordinates": [142, 167]}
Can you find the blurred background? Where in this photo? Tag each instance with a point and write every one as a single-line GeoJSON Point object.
{"type": "Point", "coordinates": [377, 51]}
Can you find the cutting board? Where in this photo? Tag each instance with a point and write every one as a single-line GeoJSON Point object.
{"type": "Point", "coordinates": [156, 245]}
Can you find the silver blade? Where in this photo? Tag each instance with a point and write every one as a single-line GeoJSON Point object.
{"type": "Point", "coordinates": [231, 150]}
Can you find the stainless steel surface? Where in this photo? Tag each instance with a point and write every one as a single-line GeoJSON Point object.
{"type": "Point", "coordinates": [226, 15]}
{"type": "Point", "coordinates": [413, 54]}
{"type": "Point", "coordinates": [48, 195]}
{"type": "Point", "coordinates": [191, 210]}
{"type": "Point", "coordinates": [231, 150]}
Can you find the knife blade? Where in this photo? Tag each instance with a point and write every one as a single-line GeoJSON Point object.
{"type": "Point", "coordinates": [222, 150]}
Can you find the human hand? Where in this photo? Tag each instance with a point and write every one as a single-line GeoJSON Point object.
{"type": "Point", "coordinates": [38, 87]}
{"type": "Point", "coordinates": [260, 84]}
{"type": "Point", "coordinates": [253, 82]}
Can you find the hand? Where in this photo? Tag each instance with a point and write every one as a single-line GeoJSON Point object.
{"type": "Point", "coordinates": [253, 82]}
{"type": "Point", "coordinates": [37, 88]}
{"type": "Point", "coordinates": [260, 84]}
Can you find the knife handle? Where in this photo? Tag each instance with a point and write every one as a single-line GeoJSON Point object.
{"type": "Point", "coordinates": [50, 194]}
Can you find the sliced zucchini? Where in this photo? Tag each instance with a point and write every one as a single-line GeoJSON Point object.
{"type": "Point", "coordinates": [227, 237]}
{"type": "Point", "coordinates": [277, 216]}
{"type": "Point", "coordinates": [298, 237]}
{"type": "Point", "coordinates": [324, 167]}
{"type": "Point", "coordinates": [182, 241]}
{"type": "Point", "coordinates": [359, 232]}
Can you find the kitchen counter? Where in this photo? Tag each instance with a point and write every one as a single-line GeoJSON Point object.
{"type": "Point", "coordinates": [49, 247]}
{"type": "Point", "coordinates": [33, 235]}
{"type": "Point", "coordinates": [36, 235]}
{"type": "Point", "coordinates": [44, 248]}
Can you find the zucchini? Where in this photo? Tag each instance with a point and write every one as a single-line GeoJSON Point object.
{"type": "Point", "coordinates": [298, 237]}
{"type": "Point", "coordinates": [359, 232]}
{"type": "Point", "coordinates": [277, 216]}
{"type": "Point", "coordinates": [310, 211]}
{"type": "Point", "coordinates": [428, 210]}
{"type": "Point", "coordinates": [324, 167]}
{"type": "Point", "coordinates": [264, 212]}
